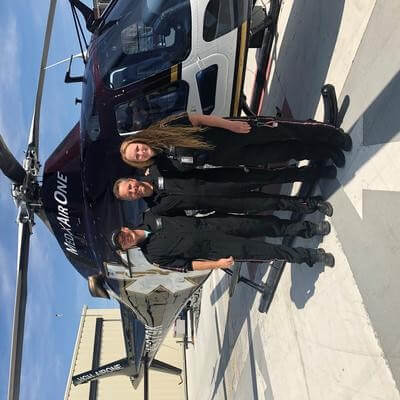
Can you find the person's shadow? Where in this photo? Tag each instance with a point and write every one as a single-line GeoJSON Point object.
{"type": "Point", "coordinates": [303, 278]}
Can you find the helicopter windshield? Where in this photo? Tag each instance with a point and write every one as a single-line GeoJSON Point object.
{"type": "Point", "coordinates": [141, 38]}
{"type": "Point", "coordinates": [151, 106]}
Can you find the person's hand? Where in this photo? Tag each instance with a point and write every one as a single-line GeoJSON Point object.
{"type": "Point", "coordinates": [226, 262]}
{"type": "Point", "coordinates": [239, 127]}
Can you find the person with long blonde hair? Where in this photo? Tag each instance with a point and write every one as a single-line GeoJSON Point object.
{"type": "Point", "coordinates": [188, 141]}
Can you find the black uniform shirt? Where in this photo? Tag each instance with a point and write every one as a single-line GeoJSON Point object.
{"type": "Point", "coordinates": [175, 242]}
{"type": "Point", "coordinates": [168, 202]}
{"type": "Point", "coordinates": [172, 196]}
{"type": "Point", "coordinates": [198, 190]}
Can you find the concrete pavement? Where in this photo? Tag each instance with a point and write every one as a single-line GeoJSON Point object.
{"type": "Point", "coordinates": [330, 333]}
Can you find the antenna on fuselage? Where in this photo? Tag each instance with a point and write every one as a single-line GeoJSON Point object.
{"type": "Point", "coordinates": [79, 55]}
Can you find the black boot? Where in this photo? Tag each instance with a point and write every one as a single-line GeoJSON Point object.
{"type": "Point", "coordinates": [317, 203]}
{"type": "Point", "coordinates": [307, 229]}
{"type": "Point", "coordinates": [325, 208]}
{"type": "Point", "coordinates": [338, 158]}
{"type": "Point", "coordinates": [347, 143]}
{"type": "Point", "coordinates": [323, 228]}
{"type": "Point", "coordinates": [320, 256]}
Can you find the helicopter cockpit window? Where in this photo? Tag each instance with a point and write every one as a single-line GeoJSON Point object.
{"type": "Point", "coordinates": [141, 112]}
{"type": "Point", "coordinates": [142, 38]}
{"type": "Point", "coordinates": [223, 16]}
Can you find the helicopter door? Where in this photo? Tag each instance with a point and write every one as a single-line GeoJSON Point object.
{"type": "Point", "coordinates": [221, 41]}
{"type": "Point", "coordinates": [207, 68]}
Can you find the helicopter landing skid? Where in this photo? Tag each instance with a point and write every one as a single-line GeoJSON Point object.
{"type": "Point", "coordinates": [330, 104]}
{"type": "Point", "coordinates": [236, 278]}
{"type": "Point", "coordinates": [245, 107]}
{"type": "Point", "coordinates": [273, 278]}
{"type": "Point", "coordinates": [266, 289]}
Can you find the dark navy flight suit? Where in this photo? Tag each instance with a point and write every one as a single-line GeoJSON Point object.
{"type": "Point", "coordinates": [269, 141]}
{"type": "Point", "coordinates": [173, 195]}
{"type": "Point", "coordinates": [176, 241]}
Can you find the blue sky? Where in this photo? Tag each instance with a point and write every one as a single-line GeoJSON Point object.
{"type": "Point", "coordinates": [54, 285]}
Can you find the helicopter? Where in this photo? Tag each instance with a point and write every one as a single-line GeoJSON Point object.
{"type": "Point", "coordinates": [145, 60]}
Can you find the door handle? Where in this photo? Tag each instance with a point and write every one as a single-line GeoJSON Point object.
{"type": "Point", "coordinates": [200, 63]}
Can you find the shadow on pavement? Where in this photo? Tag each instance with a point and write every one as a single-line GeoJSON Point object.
{"type": "Point", "coordinates": [219, 289]}
{"type": "Point", "coordinates": [301, 68]}
{"type": "Point", "coordinates": [237, 315]}
{"type": "Point", "coordinates": [382, 117]}
{"type": "Point", "coordinates": [303, 278]}
{"type": "Point", "coordinates": [305, 55]}
{"type": "Point", "coordinates": [370, 241]}
{"type": "Point", "coordinates": [380, 125]}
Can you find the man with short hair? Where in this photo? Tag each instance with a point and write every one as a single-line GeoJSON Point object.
{"type": "Point", "coordinates": [185, 243]}
{"type": "Point", "coordinates": [171, 195]}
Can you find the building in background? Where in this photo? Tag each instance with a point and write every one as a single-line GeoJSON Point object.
{"type": "Point", "coordinates": [100, 341]}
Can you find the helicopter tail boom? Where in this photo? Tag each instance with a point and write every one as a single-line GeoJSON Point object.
{"type": "Point", "coordinates": [120, 367]}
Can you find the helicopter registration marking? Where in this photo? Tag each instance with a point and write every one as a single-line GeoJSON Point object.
{"type": "Point", "coordinates": [91, 375]}
{"type": "Point", "coordinates": [153, 337]}
{"type": "Point", "coordinates": [60, 196]}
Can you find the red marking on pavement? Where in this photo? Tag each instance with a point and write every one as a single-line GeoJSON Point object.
{"type": "Point", "coordinates": [286, 110]}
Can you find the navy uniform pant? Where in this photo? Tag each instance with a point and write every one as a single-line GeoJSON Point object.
{"type": "Point", "coordinates": [256, 226]}
{"type": "Point", "coordinates": [254, 178]}
{"type": "Point", "coordinates": [220, 245]}
{"type": "Point", "coordinates": [253, 202]}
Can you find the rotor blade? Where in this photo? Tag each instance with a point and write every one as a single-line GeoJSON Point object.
{"type": "Point", "coordinates": [9, 165]}
{"type": "Point", "coordinates": [42, 215]}
{"type": "Point", "coordinates": [24, 232]}
{"type": "Point", "coordinates": [34, 132]}
{"type": "Point", "coordinates": [146, 379]}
